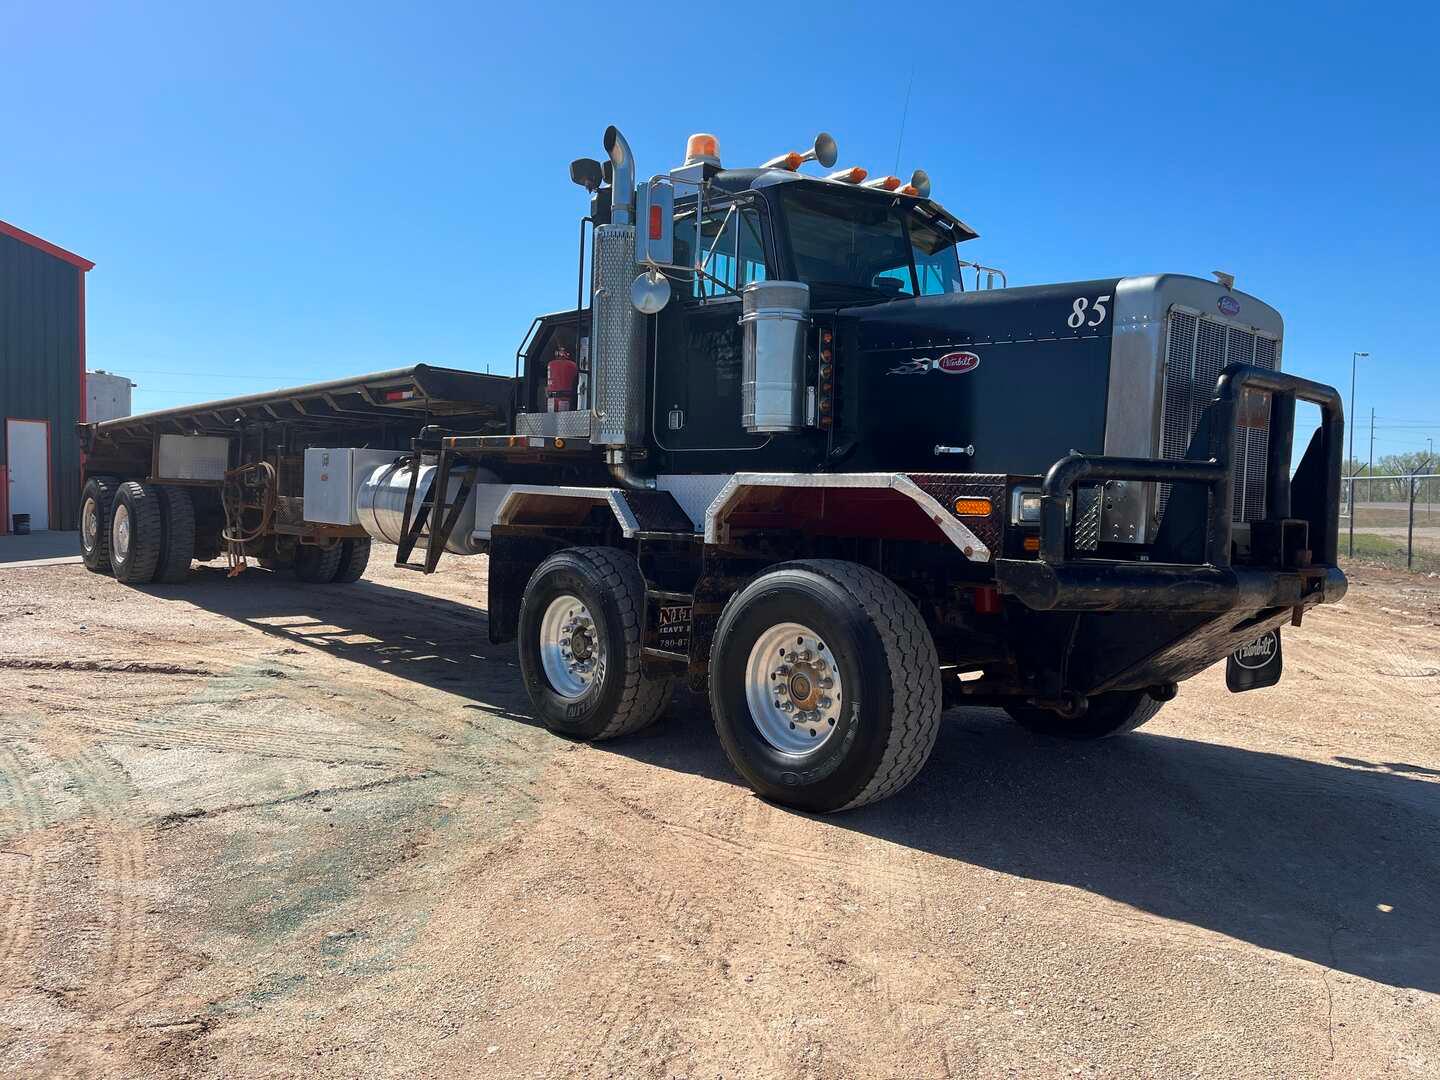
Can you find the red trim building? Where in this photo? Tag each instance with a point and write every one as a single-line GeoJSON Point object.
{"type": "Point", "coordinates": [42, 364]}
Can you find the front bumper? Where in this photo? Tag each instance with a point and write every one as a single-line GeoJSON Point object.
{"type": "Point", "coordinates": [1292, 561]}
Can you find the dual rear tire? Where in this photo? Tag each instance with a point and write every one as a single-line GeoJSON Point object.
{"type": "Point", "coordinates": [139, 532]}
{"type": "Point", "coordinates": [825, 685]}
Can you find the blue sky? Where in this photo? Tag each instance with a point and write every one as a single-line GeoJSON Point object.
{"type": "Point", "coordinates": [278, 193]}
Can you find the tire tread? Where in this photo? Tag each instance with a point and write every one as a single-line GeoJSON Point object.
{"type": "Point", "coordinates": [177, 546]}
{"type": "Point", "coordinates": [106, 488]}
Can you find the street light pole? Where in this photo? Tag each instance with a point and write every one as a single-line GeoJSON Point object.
{"type": "Point", "coordinates": [1354, 360]}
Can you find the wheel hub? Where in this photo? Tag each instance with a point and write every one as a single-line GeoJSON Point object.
{"type": "Point", "coordinates": [792, 687]}
{"type": "Point", "coordinates": [571, 652]}
{"type": "Point", "coordinates": [89, 524]}
{"type": "Point", "coordinates": [120, 532]}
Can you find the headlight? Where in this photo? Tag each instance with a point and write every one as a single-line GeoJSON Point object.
{"type": "Point", "coordinates": [1025, 506]}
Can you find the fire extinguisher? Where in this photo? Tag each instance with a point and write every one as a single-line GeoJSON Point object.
{"type": "Point", "coordinates": [560, 376]}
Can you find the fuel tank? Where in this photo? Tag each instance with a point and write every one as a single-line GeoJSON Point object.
{"type": "Point", "coordinates": [1001, 381]}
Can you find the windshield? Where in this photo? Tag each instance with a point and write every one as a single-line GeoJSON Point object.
{"type": "Point", "coordinates": [864, 243]}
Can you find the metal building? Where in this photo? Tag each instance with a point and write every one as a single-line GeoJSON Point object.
{"type": "Point", "coordinates": [42, 379]}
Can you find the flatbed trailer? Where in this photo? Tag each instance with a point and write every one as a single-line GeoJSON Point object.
{"type": "Point", "coordinates": [779, 453]}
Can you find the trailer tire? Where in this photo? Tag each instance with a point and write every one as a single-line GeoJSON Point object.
{"type": "Point", "coordinates": [354, 557]}
{"type": "Point", "coordinates": [135, 533]}
{"type": "Point", "coordinates": [1107, 716]}
{"type": "Point", "coordinates": [97, 502]}
{"type": "Point", "coordinates": [177, 535]}
{"type": "Point", "coordinates": [876, 699]}
{"type": "Point", "coordinates": [316, 565]}
{"type": "Point", "coordinates": [582, 606]}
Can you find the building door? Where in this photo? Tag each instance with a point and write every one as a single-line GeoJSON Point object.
{"type": "Point", "coordinates": [27, 460]}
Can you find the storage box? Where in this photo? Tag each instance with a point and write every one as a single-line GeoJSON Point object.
{"type": "Point", "coordinates": [333, 476]}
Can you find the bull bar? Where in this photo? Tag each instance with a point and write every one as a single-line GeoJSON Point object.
{"type": "Point", "coordinates": [1299, 575]}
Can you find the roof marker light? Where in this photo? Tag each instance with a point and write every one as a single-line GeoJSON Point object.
{"type": "Point", "coordinates": [852, 175]}
{"type": "Point", "coordinates": [883, 183]}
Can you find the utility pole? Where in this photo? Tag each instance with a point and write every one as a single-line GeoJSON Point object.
{"type": "Point", "coordinates": [1354, 360]}
{"type": "Point", "coordinates": [1430, 487]}
{"type": "Point", "coordinates": [1370, 468]}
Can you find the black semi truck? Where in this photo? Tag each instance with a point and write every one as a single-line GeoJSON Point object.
{"type": "Point", "coordinates": [780, 451]}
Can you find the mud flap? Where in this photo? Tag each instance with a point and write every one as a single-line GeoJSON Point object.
{"type": "Point", "coordinates": [1255, 664]}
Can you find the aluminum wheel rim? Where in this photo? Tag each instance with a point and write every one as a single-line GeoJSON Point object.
{"type": "Point", "coordinates": [793, 689]}
{"type": "Point", "coordinates": [571, 651]}
{"type": "Point", "coordinates": [120, 532]}
{"type": "Point", "coordinates": [89, 524]}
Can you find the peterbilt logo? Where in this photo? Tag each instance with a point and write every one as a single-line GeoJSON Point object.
{"type": "Point", "coordinates": [1259, 652]}
{"type": "Point", "coordinates": [1229, 306]}
{"type": "Point", "coordinates": [952, 363]}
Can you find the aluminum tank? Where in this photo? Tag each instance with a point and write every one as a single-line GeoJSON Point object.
{"type": "Point", "coordinates": [775, 316]}
{"type": "Point", "coordinates": [381, 504]}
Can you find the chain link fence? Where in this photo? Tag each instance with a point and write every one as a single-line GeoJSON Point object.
{"type": "Point", "coordinates": [1392, 520]}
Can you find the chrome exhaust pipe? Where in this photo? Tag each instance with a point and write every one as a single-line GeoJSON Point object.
{"type": "Point", "coordinates": [622, 177]}
{"type": "Point", "coordinates": [624, 474]}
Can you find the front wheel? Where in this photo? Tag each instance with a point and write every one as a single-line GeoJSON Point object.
{"type": "Point", "coordinates": [825, 685]}
{"type": "Point", "coordinates": [1106, 716]}
{"type": "Point", "coordinates": [581, 622]}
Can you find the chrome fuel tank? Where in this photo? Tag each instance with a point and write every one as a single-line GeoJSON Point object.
{"type": "Point", "coordinates": [381, 503]}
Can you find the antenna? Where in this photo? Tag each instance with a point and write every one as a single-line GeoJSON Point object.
{"type": "Point", "coordinates": [905, 112]}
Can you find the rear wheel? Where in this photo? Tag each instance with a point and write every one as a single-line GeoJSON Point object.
{"type": "Point", "coordinates": [1106, 716]}
{"type": "Point", "coordinates": [354, 557]}
{"type": "Point", "coordinates": [135, 533]}
{"type": "Point", "coordinates": [825, 685]}
{"type": "Point", "coordinates": [580, 624]}
{"type": "Point", "coordinates": [316, 565]}
{"type": "Point", "coordinates": [177, 535]}
{"type": "Point", "coordinates": [97, 502]}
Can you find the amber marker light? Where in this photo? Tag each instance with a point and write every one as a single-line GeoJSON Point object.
{"type": "Point", "coordinates": [967, 507]}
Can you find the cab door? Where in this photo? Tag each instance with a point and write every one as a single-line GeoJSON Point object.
{"type": "Point", "coordinates": [698, 365]}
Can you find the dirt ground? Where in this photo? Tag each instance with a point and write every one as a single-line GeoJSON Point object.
{"type": "Point", "coordinates": [258, 829]}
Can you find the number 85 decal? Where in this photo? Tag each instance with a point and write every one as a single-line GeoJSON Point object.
{"type": "Point", "coordinates": [1097, 312]}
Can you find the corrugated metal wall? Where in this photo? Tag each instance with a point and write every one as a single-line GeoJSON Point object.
{"type": "Point", "coordinates": [40, 375]}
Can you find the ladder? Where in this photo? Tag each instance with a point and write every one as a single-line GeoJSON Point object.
{"type": "Point", "coordinates": [435, 507]}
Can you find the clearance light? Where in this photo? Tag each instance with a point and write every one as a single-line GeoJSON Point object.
{"type": "Point", "coordinates": [883, 183]}
{"type": "Point", "coordinates": [1032, 543]}
{"type": "Point", "coordinates": [849, 176]}
{"type": "Point", "coordinates": [791, 161]}
{"type": "Point", "coordinates": [702, 147]}
{"type": "Point", "coordinates": [967, 507]}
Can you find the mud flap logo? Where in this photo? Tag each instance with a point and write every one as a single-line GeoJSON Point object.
{"type": "Point", "coordinates": [1255, 664]}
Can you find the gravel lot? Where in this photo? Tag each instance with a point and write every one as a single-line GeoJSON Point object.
{"type": "Point", "coordinates": [249, 828]}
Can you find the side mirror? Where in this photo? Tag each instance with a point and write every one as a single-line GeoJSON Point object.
{"type": "Point", "coordinates": [650, 292]}
{"type": "Point", "coordinates": [587, 173]}
{"type": "Point", "coordinates": [655, 223]}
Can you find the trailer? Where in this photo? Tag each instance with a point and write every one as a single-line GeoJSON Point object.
{"type": "Point", "coordinates": [781, 453]}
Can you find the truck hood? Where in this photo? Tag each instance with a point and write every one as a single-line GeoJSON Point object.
{"type": "Point", "coordinates": [1017, 378]}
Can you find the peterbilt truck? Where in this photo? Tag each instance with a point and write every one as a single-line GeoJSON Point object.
{"type": "Point", "coordinates": [781, 452]}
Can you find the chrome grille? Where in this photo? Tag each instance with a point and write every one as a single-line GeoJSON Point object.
{"type": "Point", "coordinates": [1197, 349]}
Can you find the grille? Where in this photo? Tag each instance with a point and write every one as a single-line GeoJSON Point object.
{"type": "Point", "coordinates": [1197, 348]}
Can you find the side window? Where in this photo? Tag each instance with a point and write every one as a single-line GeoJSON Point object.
{"type": "Point", "coordinates": [752, 248]}
{"type": "Point", "coordinates": [730, 246]}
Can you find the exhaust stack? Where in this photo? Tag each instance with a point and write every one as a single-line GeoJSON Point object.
{"type": "Point", "coordinates": [622, 177]}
